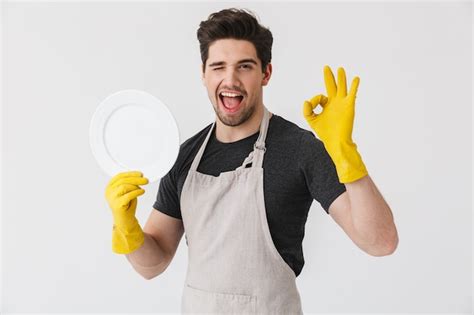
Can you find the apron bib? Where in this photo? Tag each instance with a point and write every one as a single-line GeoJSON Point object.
{"type": "Point", "coordinates": [233, 265]}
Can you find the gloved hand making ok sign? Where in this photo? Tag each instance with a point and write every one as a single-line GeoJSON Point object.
{"type": "Point", "coordinates": [334, 124]}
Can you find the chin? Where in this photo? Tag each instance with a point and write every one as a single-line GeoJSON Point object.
{"type": "Point", "coordinates": [237, 118]}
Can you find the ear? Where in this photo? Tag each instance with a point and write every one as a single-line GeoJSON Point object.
{"type": "Point", "coordinates": [267, 74]}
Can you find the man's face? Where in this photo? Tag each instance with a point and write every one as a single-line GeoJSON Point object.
{"type": "Point", "coordinates": [233, 77]}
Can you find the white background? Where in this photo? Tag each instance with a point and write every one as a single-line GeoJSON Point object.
{"type": "Point", "coordinates": [412, 128]}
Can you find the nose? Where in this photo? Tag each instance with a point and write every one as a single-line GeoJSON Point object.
{"type": "Point", "coordinates": [231, 77]}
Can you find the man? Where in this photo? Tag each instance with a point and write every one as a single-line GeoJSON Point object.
{"type": "Point", "coordinates": [241, 188]}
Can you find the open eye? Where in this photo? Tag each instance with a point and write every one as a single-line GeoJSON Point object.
{"type": "Point", "coordinates": [246, 66]}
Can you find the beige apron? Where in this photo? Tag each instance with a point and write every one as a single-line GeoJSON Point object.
{"type": "Point", "coordinates": [233, 266]}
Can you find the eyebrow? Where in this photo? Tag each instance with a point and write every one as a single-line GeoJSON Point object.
{"type": "Point", "coordinates": [220, 63]}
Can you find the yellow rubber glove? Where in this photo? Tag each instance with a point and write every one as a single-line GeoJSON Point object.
{"type": "Point", "coordinates": [121, 194]}
{"type": "Point", "coordinates": [334, 123]}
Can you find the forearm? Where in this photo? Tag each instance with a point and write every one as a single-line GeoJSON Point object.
{"type": "Point", "coordinates": [372, 217]}
{"type": "Point", "coordinates": [150, 259]}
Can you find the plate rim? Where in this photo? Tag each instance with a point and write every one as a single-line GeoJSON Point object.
{"type": "Point", "coordinates": [103, 112]}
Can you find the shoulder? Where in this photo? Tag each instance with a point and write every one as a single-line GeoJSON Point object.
{"type": "Point", "coordinates": [188, 149]}
{"type": "Point", "coordinates": [197, 138]}
{"type": "Point", "coordinates": [311, 147]}
{"type": "Point", "coordinates": [284, 129]}
{"type": "Point", "coordinates": [302, 143]}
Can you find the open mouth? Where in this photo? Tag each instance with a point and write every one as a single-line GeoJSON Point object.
{"type": "Point", "coordinates": [231, 101]}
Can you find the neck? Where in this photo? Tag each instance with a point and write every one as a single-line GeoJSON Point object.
{"type": "Point", "coordinates": [227, 134]}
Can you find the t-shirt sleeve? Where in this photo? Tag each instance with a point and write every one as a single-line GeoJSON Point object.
{"type": "Point", "coordinates": [319, 171]}
{"type": "Point", "coordinates": [167, 200]}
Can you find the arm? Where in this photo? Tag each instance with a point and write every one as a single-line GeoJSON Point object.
{"type": "Point", "coordinates": [162, 236]}
{"type": "Point", "coordinates": [372, 217]}
{"type": "Point", "coordinates": [366, 218]}
{"type": "Point", "coordinates": [361, 211]}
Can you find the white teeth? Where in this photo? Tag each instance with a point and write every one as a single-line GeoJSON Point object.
{"type": "Point", "coordinates": [230, 94]}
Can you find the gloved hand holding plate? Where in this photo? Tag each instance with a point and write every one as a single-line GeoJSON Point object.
{"type": "Point", "coordinates": [133, 130]}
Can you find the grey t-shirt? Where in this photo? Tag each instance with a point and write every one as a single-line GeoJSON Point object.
{"type": "Point", "coordinates": [297, 170]}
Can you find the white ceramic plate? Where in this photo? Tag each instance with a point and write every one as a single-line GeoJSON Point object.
{"type": "Point", "coordinates": [133, 130]}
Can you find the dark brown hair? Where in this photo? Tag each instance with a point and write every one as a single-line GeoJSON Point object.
{"type": "Point", "coordinates": [237, 24]}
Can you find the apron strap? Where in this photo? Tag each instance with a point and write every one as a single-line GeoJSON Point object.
{"type": "Point", "coordinates": [259, 147]}
{"type": "Point", "coordinates": [256, 156]}
{"type": "Point", "coordinates": [200, 153]}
